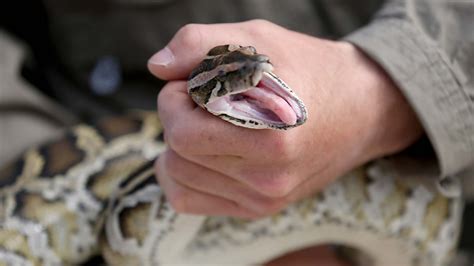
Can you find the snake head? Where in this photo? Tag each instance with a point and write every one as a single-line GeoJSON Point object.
{"type": "Point", "coordinates": [237, 84]}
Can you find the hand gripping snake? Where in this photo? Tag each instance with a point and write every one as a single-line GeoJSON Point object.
{"type": "Point", "coordinates": [94, 192]}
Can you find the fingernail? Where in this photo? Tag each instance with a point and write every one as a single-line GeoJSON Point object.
{"type": "Point", "coordinates": [163, 58]}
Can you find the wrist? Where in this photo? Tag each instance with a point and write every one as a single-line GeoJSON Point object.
{"type": "Point", "coordinates": [389, 123]}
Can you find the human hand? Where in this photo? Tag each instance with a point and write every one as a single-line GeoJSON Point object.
{"type": "Point", "coordinates": [355, 114]}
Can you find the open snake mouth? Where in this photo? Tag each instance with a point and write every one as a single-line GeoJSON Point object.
{"type": "Point", "coordinates": [269, 103]}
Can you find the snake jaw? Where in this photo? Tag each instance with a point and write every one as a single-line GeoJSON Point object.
{"type": "Point", "coordinates": [268, 104]}
{"type": "Point", "coordinates": [237, 84]}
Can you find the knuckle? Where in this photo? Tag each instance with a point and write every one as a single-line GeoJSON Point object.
{"type": "Point", "coordinates": [189, 35]}
{"type": "Point", "coordinates": [259, 22]}
{"type": "Point", "coordinates": [283, 148]}
{"type": "Point", "coordinates": [273, 184]}
{"type": "Point", "coordinates": [277, 186]}
{"type": "Point", "coordinates": [259, 26]}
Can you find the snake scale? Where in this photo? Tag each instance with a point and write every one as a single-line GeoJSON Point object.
{"type": "Point", "coordinates": [94, 192]}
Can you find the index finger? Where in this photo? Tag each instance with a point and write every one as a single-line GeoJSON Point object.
{"type": "Point", "coordinates": [191, 130]}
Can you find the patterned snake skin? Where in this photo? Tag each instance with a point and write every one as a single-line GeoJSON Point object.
{"type": "Point", "coordinates": [94, 192]}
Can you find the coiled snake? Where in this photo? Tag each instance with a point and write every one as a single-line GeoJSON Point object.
{"type": "Point", "coordinates": [94, 192]}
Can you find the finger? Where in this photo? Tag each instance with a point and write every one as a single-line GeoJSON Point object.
{"type": "Point", "coordinates": [276, 181]}
{"type": "Point", "coordinates": [186, 200]}
{"type": "Point", "coordinates": [189, 46]}
{"type": "Point", "coordinates": [172, 95]}
{"type": "Point", "coordinates": [204, 180]}
{"type": "Point", "coordinates": [192, 130]}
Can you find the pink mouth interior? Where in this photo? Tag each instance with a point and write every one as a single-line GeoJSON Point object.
{"type": "Point", "coordinates": [267, 102]}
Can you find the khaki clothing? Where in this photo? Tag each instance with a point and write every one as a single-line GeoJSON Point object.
{"type": "Point", "coordinates": [100, 48]}
{"type": "Point", "coordinates": [427, 47]}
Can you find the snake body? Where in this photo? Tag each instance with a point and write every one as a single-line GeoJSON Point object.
{"type": "Point", "coordinates": [94, 192]}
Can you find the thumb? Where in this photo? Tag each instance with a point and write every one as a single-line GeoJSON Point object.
{"type": "Point", "coordinates": [188, 48]}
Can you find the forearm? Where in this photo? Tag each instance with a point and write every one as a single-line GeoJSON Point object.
{"type": "Point", "coordinates": [430, 72]}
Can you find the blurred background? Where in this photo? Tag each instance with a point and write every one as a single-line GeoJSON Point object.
{"type": "Point", "coordinates": [64, 62]}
